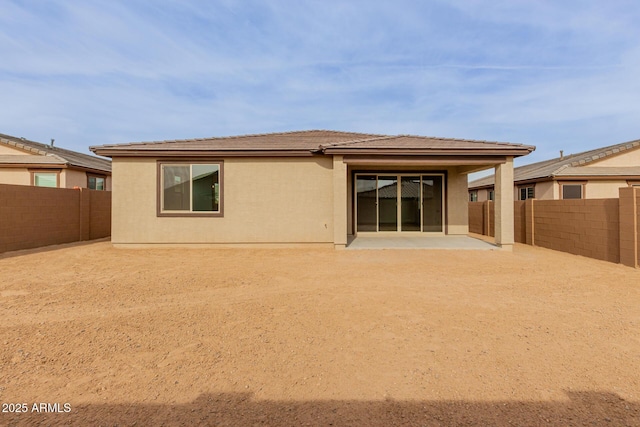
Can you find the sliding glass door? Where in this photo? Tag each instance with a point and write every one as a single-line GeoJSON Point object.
{"type": "Point", "coordinates": [432, 203]}
{"type": "Point", "coordinates": [367, 202]}
{"type": "Point", "coordinates": [387, 203]}
{"type": "Point", "coordinates": [399, 203]}
{"type": "Point", "coordinates": [410, 203]}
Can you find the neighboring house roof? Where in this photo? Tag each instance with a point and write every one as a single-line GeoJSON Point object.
{"type": "Point", "coordinates": [571, 165]}
{"type": "Point", "coordinates": [11, 159]}
{"type": "Point", "coordinates": [410, 190]}
{"type": "Point", "coordinates": [46, 154]}
{"type": "Point", "coordinates": [313, 142]}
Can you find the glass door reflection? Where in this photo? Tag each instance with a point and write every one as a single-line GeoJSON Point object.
{"type": "Point", "coordinates": [367, 203]}
{"type": "Point", "coordinates": [410, 203]}
{"type": "Point", "coordinates": [432, 203]}
{"type": "Point", "coordinates": [387, 203]}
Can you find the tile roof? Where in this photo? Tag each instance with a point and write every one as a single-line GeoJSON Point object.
{"type": "Point", "coordinates": [300, 140]}
{"type": "Point", "coordinates": [307, 142]}
{"type": "Point", "coordinates": [7, 159]}
{"type": "Point", "coordinates": [47, 152]}
{"type": "Point", "coordinates": [422, 142]}
{"type": "Point", "coordinates": [600, 171]}
{"type": "Point", "coordinates": [569, 165]}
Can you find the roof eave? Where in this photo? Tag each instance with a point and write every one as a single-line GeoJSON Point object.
{"type": "Point", "coordinates": [517, 152]}
{"type": "Point", "coordinates": [115, 152]}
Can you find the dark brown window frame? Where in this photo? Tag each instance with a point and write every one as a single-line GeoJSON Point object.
{"type": "Point", "coordinates": [95, 175]}
{"type": "Point", "coordinates": [174, 214]}
{"type": "Point", "coordinates": [583, 191]}
{"type": "Point", "coordinates": [33, 173]}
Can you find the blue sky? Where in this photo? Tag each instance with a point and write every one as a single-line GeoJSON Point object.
{"type": "Point", "coordinates": [555, 74]}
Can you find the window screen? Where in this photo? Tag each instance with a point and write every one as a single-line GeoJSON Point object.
{"type": "Point", "coordinates": [45, 179]}
{"type": "Point", "coordinates": [572, 191]}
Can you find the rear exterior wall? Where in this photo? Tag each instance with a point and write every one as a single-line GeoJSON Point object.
{"type": "Point", "coordinates": [264, 200]}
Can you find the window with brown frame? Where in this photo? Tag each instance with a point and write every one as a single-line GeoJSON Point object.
{"type": "Point", "coordinates": [473, 196]}
{"type": "Point", "coordinates": [190, 189]}
{"type": "Point", "coordinates": [45, 178]}
{"type": "Point", "coordinates": [572, 191]}
{"type": "Point", "coordinates": [527, 193]}
{"type": "Point", "coordinates": [96, 182]}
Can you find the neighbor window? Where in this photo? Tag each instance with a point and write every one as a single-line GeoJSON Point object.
{"type": "Point", "coordinates": [190, 188]}
{"type": "Point", "coordinates": [491, 195]}
{"type": "Point", "coordinates": [473, 196]}
{"type": "Point", "coordinates": [45, 179]}
{"type": "Point", "coordinates": [96, 183]}
{"type": "Point", "coordinates": [572, 191]}
{"type": "Point", "coordinates": [527, 193]}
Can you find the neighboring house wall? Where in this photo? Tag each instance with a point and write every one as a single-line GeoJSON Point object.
{"type": "Point", "coordinates": [74, 178]}
{"type": "Point", "coordinates": [15, 176]}
{"type": "Point", "coordinates": [70, 178]}
{"type": "Point", "coordinates": [552, 190]}
{"type": "Point", "coordinates": [603, 189]}
{"type": "Point", "coordinates": [264, 200]}
{"type": "Point", "coordinates": [483, 195]}
{"type": "Point", "coordinates": [12, 151]}
{"type": "Point", "coordinates": [546, 190]}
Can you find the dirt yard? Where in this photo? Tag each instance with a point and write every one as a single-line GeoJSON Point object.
{"type": "Point", "coordinates": [121, 337]}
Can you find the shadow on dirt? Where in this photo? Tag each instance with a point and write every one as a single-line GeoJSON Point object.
{"type": "Point", "coordinates": [240, 409]}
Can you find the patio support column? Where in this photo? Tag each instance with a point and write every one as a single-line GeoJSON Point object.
{"type": "Point", "coordinates": [504, 205]}
{"type": "Point", "coordinates": [339, 202]}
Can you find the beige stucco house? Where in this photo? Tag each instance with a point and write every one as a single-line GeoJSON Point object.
{"type": "Point", "coordinates": [307, 187]}
{"type": "Point", "coordinates": [24, 162]}
{"type": "Point", "coordinates": [593, 174]}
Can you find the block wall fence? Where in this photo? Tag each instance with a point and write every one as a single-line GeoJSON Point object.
{"type": "Point", "coordinates": [31, 217]}
{"type": "Point", "coordinates": [605, 229]}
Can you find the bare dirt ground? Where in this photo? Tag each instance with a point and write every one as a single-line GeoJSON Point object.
{"type": "Point", "coordinates": [317, 337]}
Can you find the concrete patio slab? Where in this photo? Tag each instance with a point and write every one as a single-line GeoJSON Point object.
{"type": "Point", "coordinates": [419, 242]}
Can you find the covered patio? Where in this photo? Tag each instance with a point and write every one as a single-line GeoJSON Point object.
{"type": "Point", "coordinates": [456, 242]}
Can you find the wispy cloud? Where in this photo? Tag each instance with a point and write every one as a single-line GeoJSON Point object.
{"type": "Point", "coordinates": [553, 74]}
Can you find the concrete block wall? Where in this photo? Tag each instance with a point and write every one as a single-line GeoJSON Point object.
{"type": "Point", "coordinates": [481, 215]}
{"type": "Point", "coordinates": [520, 231]}
{"type": "Point", "coordinates": [32, 217]}
{"type": "Point", "coordinates": [587, 227]}
{"type": "Point", "coordinates": [476, 217]}
{"type": "Point", "coordinates": [605, 229]}
{"type": "Point", "coordinates": [629, 230]}
{"type": "Point", "coordinates": [100, 216]}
